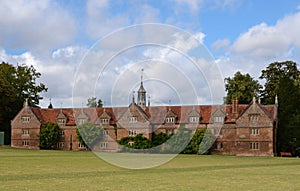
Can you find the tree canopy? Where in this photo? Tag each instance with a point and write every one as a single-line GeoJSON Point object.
{"type": "Point", "coordinates": [241, 86]}
{"type": "Point", "coordinates": [49, 135]}
{"type": "Point", "coordinates": [92, 102]}
{"type": "Point", "coordinates": [89, 134]}
{"type": "Point", "coordinates": [272, 76]}
{"type": "Point", "coordinates": [16, 84]}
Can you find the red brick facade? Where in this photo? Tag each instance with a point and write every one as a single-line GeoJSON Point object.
{"type": "Point", "coordinates": [246, 130]}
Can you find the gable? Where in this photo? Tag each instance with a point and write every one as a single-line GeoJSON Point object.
{"type": "Point", "coordinates": [254, 116]}
{"type": "Point", "coordinates": [26, 112]}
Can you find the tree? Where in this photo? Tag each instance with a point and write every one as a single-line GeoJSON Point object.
{"type": "Point", "coordinates": [16, 84]}
{"type": "Point", "coordinates": [92, 102]}
{"type": "Point", "coordinates": [241, 86]}
{"type": "Point", "coordinates": [49, 135]}
{"type": "Point", "coordinates": [179, 140]}
{"type": "Point", "coordinates": [89, 134]}
{"type": "Point", "coordinates": [138, 142]}
{"type": "Point", "coordinates": [273, 74]}
{"type": "Point", "coordinates": [193, 146]}
{"type": "Point", "coordinates": [288, 134]}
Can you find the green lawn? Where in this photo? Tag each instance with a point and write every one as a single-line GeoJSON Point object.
{"type": "Point", "coordinates": [67, 170]}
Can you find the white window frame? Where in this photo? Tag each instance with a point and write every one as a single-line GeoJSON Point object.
{"type": "Point", "coordinates": [194, 119]}
{"type": "Point", "coordinates": [132, 119]}
{"type": "Point", "coordinates": [25, 131]}
{"type": "Point", "coordinates": [219, 119]}
{"type": "Point", "coordinates": [25, 142]}
{"type": "Point", "coordinates": [104, 121]}
{"type": "Point", "coordinates": [25, 119]}
{"type": "Point", "coordinates": [105, 132]}
{"type": "Point", "coordinates": [103, 145]}
{"type": "Point", "coordinates": [254, 146]}
{"type": "Point", "coordinates": [61, 121]}
{"type": "Point", "coordinates": [253, 117]}
{"type": "Point", "coordinates": [80, 145]}
{"type": "Point", "coordinates": [170, 119]}
{"type": "Point", "coordinates": [254, 131]}
{"type": "Point", "coordinates": [132, 133]}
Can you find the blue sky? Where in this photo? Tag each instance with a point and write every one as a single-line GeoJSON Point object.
{"type": "Point", "coordinates": [54, 36]}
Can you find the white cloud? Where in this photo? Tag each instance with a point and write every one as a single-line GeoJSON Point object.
{"type": "Point", "coordinates": [34, 24]}
{"type": "Point", "coordinates": [221, 44]}
{"type": "Point", "coordinates": [263, 41]}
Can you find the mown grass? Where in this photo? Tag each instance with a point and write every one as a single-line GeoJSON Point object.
{"type": "Point", "coordinates": [67, 170]}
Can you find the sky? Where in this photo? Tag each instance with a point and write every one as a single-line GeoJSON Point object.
{"type": "Point", "coordinates": [59, 37]}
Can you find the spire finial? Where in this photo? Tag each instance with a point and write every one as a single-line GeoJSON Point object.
{"type": "Point", "coordinates": [169, 105]}
{"type": "Point", "coordinates": [26, 102]}
{"type": "Point", "coordinates": [142, 70]}
{"type": "Point", "coordinates": [133, 96]}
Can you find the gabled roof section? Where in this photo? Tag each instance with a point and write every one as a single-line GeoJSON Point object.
{"type": "Point", "coordinates": [253, 106]}
{"type": "Point", "coordinates": [170, 113]}
{"type": "Point", "coordinates": [105, 114]}
{"type": "Point", "coordinates": [194, 113]}
{"type": "Point", "coordinates": [61, 115]}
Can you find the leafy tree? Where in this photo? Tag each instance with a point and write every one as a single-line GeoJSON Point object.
{"type": "Point", "coordinates": [16, 84]}
{"type": "Point", "coordinates": [49, 135]}
{"type": "Point", "coordinates": [193, 146]}
{"type": "Point", "coordinates": [89, 134]}
{"type": "Point", "coordinates": [179, 140]}
{"type": "Point", "coordinates": [273, 74]}
{"type": "Point", "coordinates": [139, 142]}
{"type": "Point", "coordinates": [158, 139]}
{"type": "Point", "coordinates": [288, 135]}
{"type": "Point", "coordinates": [92, 102]}
{"type": "Point", "coordinates": [241, 86]}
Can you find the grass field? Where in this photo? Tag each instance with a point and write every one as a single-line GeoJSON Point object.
{"type": "Point", "coordinates": [66, 170]}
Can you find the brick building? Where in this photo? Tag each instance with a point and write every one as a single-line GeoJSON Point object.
{"type": "Point", "coordinates": [240, 129]}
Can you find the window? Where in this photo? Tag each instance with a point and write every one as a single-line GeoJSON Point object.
{"type": "Point", "coordinates": [82, 121]}
{"type": "Point", "coordinates": [170, 119]}
{"type": "Point", "coordinates": [194, 119]}
{"type": "Point", "coordinates": [61, 133]}
{"type": "Point", "coordinates": [25, 142]}
{"type": "Point", "coordinates": [25, 132]}
{"type": "Point", "coordinates": [219, 146]}
{"type": "Point", "coordinates": [105, 132]}
{"type": "Point", "coordinates": [60, 145]}
{"type": "Point", "coordinates": [104, 121]}
{"type": "Point", "coordinates": [132, 119]}
{"type": "Point", "coordinates": [80, 145]}
{"type": "Point", "coordinates": [253, 146]}
{"type": "Point", "coordinates": [61, 121]}
{"type": "Point", "coordinates": [219, 119]}
{"type": "Point", "coordinates": [253, 117]}
{"type": "Point", "coordinates": [25, 119]}
{"type": "Point", "coordinates": [254, 131]}
{"type": "Point", "coordinates": [103, 145]}
{"type": "Point", "coordinates": [132, 132]}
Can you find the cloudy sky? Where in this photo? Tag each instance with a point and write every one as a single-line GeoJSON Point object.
{"type": "Point", "coordinates": [59, 39]}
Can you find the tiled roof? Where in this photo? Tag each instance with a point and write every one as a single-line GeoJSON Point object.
{"type": "Point", "coordinates": [156, 114]}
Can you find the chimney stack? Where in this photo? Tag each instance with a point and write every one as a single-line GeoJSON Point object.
{"type": "Point", "coordinates": [235, 110]}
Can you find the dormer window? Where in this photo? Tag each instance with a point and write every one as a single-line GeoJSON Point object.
{"type": "Point", "coordinates": [82, 121]}
{"type": "Point", "coordinates": [194, 119]}
{"type": "Point", "coordinates": [132, 119]}
{"type": "Point", "coordinates": [219, 119]}
{"type": "Point", "coordinates": [61, 121]}
{"type": "Point", "coordinates": [170, 119]}
{"type": "Point", "coordinates": [104, 121]}
{"type": "Point", "coordinates": [25, 119]}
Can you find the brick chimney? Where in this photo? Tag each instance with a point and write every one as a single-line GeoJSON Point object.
{"type": "Point", "coordinates": [235, 110]}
